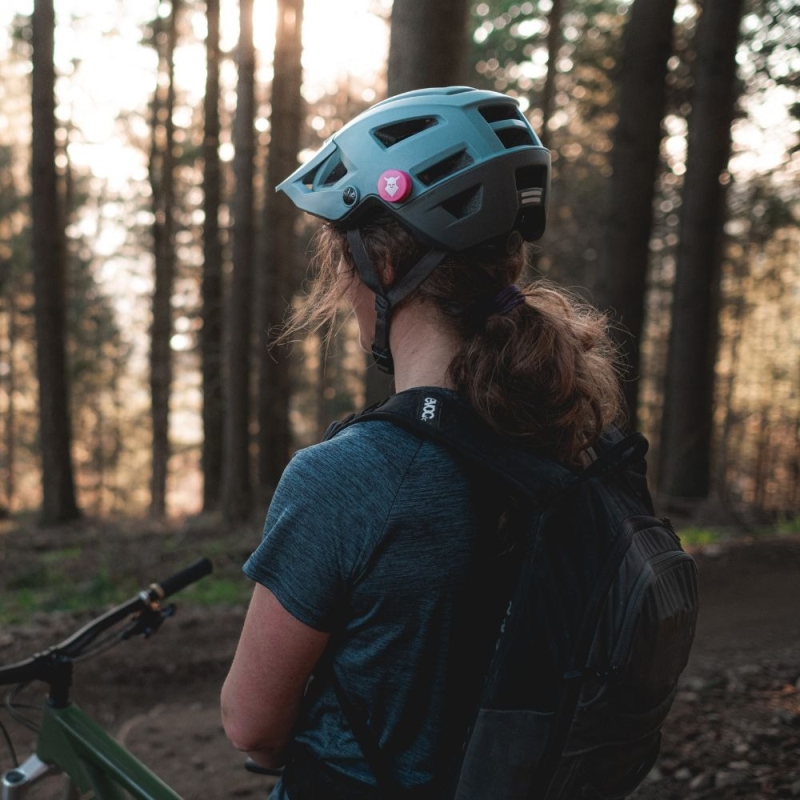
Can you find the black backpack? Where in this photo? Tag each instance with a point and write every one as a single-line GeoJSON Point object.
{"type": "Point", "coordinates": [598, 626]}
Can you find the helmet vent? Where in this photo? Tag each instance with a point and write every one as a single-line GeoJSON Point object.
{"type": "Point", "coordinates": [498, 113]}
{"type": "Point", "coordinates": [514, 137]}
{"type": "Point", "coordinates": [464, 203]}
{"type": "Point", "coordinates": [308, 179]}
{"type": "Point", "coordinates": [531, 177]}
{"type": "Point", "coordinates": [336, 174]}
{"type": "Point", "coordinates": [327, 173]}
{"type": "Point", "coordinates": [445, 167]}
{"type": "Point", "coordinates": [394, 134]}
{"type": "Point", "coordinates": [509, 125]}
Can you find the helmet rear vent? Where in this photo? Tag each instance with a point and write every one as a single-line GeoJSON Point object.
{"type": "Point", "coordinates": [445, 167]}
{"type": "Point", "coordinates": [464, 203]}
{"type": "Point", "coordinates": [509, 125]}
{"type": "Point", "coordinates": [514, 137]}
{"type": "Point", "coordinates": [499, 112]}
{"type": "Point", "coordinates": [396, 133]}
{"type": "Point", "coordinates": [533, 176]}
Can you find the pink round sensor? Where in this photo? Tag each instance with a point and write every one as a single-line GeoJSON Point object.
{"type": "Point", "coordinates": [394, 185]}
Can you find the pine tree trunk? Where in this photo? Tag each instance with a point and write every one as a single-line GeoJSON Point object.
{"type": "Point", "coordinates": [278, 273]}
{"type": "Point", "coordinates": [621, 285]}
{"type": "Point", "coordinates": [99, 459]}
{"type": "Point", "coordinates": [428, 44]}
{"type": "Point", "coordinates": [162, 183]}
{"type": "Point", "coordinates": [729, 422]}
{"type": "Point", "coordinates": [554, 39]}
{"type": "Point", "coordinates": [49, 282]}
{"type": "Point", "coordinates": [9, 432]}
{"type": "Point", "coordinates": [236, 483]}
{"type": "Point", "coordinates": [689, 389]}
{"type": "Point", "coordinates": [211, 337]}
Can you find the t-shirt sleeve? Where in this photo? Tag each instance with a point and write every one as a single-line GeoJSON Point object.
{"type": "Point", "coordinates": [324, 521]}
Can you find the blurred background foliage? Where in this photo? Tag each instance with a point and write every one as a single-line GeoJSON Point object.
{"type": "Point", "coordinates": [129, 93]}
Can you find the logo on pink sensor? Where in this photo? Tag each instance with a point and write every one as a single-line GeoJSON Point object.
{"type": "Point", "coordinates": [394, 185]}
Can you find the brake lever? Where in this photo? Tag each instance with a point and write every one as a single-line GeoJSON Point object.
{"type": "Point", "coordinates": [148, 621]}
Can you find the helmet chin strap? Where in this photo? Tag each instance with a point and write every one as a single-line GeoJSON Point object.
{"type": "Point", "coordinates": [387, 298]}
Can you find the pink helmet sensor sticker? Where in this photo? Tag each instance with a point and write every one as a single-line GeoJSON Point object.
{"type": "Point", "coordinates": [394, 185]}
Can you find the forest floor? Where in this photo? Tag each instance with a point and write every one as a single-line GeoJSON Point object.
{"type": "Point", "coordinates": [734, 731]}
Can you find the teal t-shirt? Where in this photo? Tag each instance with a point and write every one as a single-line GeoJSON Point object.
{"type": "Point", "coordinates": [384, 540]}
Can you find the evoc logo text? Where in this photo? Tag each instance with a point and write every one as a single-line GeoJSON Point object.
{"type": "Point", "coordinates": [429, 408]}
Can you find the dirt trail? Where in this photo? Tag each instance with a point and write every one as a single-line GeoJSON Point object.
{"type": "Point", "coordinates": [734, 730]}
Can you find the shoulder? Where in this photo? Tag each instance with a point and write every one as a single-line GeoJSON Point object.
{"type": "Point", "coordinates": [365, 473]}
{"type": "Point", "coordinates": [360, 452]}
{"type": "Point", "coordinates": [329, 514]}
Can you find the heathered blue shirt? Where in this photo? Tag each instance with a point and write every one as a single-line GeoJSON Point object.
{"type": "Point", "coordinates": [375, 536]}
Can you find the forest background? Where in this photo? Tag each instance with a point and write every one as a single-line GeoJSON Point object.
{"type": "Point", "coordinates": [146, 262]}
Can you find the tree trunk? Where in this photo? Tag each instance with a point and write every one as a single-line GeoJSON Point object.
{"type": "Point", "coordinates": [9, 432]}
{"type": "Point", "coordinates": [428, 44]}
{"type": "Point", "coordinates": [428, 47]}
{"type": "Point", "coordinates": [730, 420]}
{"type": "Point", "coordinates": [211, 336]}
{"type": "Point", "coordinates": [236, 484]}
{"type": "Point", "coordinates": [621, 285]}
{"type": "Point", "coordinates": [554, 40]}
{"type": "Point", "coordinates": [99, 459]}
{"type": "Point", "coordinates": [278, 274]}
{"type": "Point", "coordinates": [794, 469]}
{"type": "Point", "coordinates": [162, 183]}
{"type": "Point", "coordinates": [689, 388]}
{"type": "Point", "coordinates": [49, 282]}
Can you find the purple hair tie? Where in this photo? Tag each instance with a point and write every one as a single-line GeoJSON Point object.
{"type": "Point", "coordinates": [507, 299]}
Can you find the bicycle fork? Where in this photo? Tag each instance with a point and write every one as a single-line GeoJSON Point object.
{"type": "Point", "coordinates": [14, 783]}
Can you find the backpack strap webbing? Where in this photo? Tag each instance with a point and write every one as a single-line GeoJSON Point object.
{"type": "Point", "coordinates": [440, 415]}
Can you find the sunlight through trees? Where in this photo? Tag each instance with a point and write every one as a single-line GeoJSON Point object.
{"type": "Point", "coordinates": [140, 201]}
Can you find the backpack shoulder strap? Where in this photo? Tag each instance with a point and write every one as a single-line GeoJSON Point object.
{"type": "Point", "coordinates": [615, 451]}
{"type": "Point", "coordinates": [440, 415]}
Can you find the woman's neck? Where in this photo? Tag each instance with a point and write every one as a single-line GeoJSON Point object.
{"type": "Point", "coordinates": [423, 346]}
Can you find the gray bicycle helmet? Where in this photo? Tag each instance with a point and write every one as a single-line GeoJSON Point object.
{"type": "Point", "coordinates": [457, 166]}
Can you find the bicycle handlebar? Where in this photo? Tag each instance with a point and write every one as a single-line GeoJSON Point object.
{"type": "Point", "coordinates": [182, 579]}
{"type": "Point", "coordinates": [39, 666]}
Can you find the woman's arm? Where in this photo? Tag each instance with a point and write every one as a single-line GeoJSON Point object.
{"type": "Point", "coordinates": [266, 681]}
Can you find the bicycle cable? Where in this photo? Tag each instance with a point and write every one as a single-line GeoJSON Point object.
{"type": "Point", "coordinates": [101, 646]}
{"type": "Point", "coordinates": [12, 708]}
{"type": "Point", "coordinates": [10, 745]}
{"type": "Point", "coordinates": [17, 717]}
{"type": "Point", "coordinates": [119, 635]}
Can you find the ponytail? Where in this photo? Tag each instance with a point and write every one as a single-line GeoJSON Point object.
{"type": "Point", "coordinates": [544, 372]}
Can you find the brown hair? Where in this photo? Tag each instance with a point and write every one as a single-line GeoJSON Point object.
{"type": "Point", "coordinates": [545, 372]}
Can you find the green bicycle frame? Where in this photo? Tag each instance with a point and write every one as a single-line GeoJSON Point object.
{"type": "Point", "coordinates": [68, 741]}
{"type": "Point", "coordinates": [93, 760]}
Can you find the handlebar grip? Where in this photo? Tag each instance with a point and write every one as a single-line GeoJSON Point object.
{"type": "Point", "coordinates": [182, 579]}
